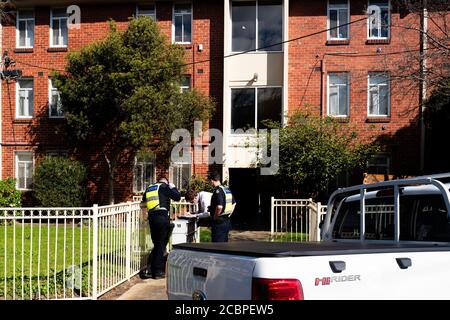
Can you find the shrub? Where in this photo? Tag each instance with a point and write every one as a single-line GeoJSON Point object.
{"type": "Point", "coordinates": [60, 182]}
{"type": "Point", "coordinates": [199, 183]}
{"type": "Point", "coordinates": [9, 196]}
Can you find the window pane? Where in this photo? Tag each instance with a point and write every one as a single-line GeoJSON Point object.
{"type": "Point", "coordinates": [379, 3]}
{"type": "Point", "coordinates": [244, 26]}
{"type": "Point", "coordinates": [269, 105]}
{"type": "Point", "coordinates": [343, 99]}
{"type": "Point", "coordinates": [242, 109]}
{"type": "Point", "coordinates": [178, 29]}
{"type": "Point", "coordinates": [270, 25]}
{"type": "Point", "coordinates": [149, 174]}
{"type": "Point", "coordinates": [64, 33]}
{"type": "Point", "coordinates": [30, 33]}
{"type": "Point", "coordinates": [146, 10]}
{"type": "Point", "coordinates": [384, 100]}
{"type": "Point", "coordinates": [338, 3]}
{"type": "Point", "coordinates": [373, 101]}
{"type": "Point", "coordinates": [385, 23]}
{"type": "Point", "coordinates": [56, 26]}
{"type": "Point", "coordinates": [377, 79]}
{"type": "Point", "coordinates": [26, 14]}
{"type": "Point", "coordinates": [333, 24]}
{"type": "Point", "coordinates": [22, 33]}
{"type": "Point", "coordinates": [334, 104]}
{"type": "Point", "coordinates": [343, 31]}
{"type": "Point", "coordinates": [187, 28]}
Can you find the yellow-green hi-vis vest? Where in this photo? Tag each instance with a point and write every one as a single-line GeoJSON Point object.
{"type": "Point", "coordinates": [228, 201]}
{"type": "Point", "coordinates": [152, 196]}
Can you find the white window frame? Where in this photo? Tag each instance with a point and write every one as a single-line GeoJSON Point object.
{"type": "Point", "coordinates": [50, 89]}
{"type": "Point", "coordinates": [186, 88]}
{"type": "Point", "coordinates": [173, 23]}
{"type": "Point", "coordinates": [338, 8]}
{"type": "Point", "coordinates": [389, 7]}
{"type": "Point", "coordinates": [146, 15]}
{"type": "Point", "coordinates": [142, 163]}
{"type": "Point", "coordinates": [52, 45]}
{"type": "Point", "coordinates": [348, 95]}
{"type": "Point", "coordinates": [178, 165]}
{"type": "Point", "coordinates": [17, 98]}
{"type": "Point", "coordinates": [255, 88]}
{"type": "Point", "coordinates": [256, 28]}
{"type": "Point", "coordinates": [378, 85]}
{"type": "Point", "coordinates": [16, 169]}
{"type": "Point", "coordinates": [18, 19]}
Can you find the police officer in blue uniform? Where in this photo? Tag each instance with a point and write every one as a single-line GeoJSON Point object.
{"type": "Point", "coordinates": [222, 206]}
{"type": "Point", "coordinates": [158, 196]}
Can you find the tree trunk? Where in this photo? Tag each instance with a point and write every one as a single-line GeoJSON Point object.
{"type": "Point", "coordinates": [111, 167]}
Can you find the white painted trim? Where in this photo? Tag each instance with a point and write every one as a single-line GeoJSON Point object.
{"type": "Point", "coordinates": [51, 45]}
{"type": "Point", "coordinates": [17, 29]}
{"type": "Point", "coordinates": [348, 96]}
{"type": "Point", "coordinates": [17, 99]}
{"type": "Point", "coordinates": [348, 21]}
{"type": "Point", "coordinates": [173, 23]}
{"type": "Point", "coordinates": [390, 23]}
{"type": "Point", "coordinates": [16, 166]}
{"type": "Point", "coordinates": [388, 84]}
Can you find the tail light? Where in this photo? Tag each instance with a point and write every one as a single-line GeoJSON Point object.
{"type": "Point", "coordinates": [277, 289]}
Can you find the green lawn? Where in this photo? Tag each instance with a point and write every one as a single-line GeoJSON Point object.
{"type": "Point", "coordinates": [34, 264]}
{"type": "Point", "coordinates": [290, 237]}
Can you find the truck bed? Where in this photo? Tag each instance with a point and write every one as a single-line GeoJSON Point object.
{"type": "Point", "coordinates": [280, 249]}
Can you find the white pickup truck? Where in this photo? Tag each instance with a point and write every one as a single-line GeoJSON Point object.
{"type": "Point", "coordinates": [399, 248]}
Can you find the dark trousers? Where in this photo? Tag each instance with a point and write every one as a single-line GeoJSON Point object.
{"type": "Point", "coordinates": [219, 229]}
{"type": "Point", "coordinates": [160, 230]}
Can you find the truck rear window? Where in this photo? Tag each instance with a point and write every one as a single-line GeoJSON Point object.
{"type": "Point", "coordinates": [422, 218]}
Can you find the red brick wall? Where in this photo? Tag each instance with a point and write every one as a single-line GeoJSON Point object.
{"type": "Point", "coordinates": [41, 133]}
{"type": "Point", "coordinates": [308, 57]}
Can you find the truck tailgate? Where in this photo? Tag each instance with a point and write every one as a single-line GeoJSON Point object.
{"type": "Point", "coordinates": [219, 277]}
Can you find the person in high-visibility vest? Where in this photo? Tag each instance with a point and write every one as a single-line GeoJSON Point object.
{"type": "Point", "coordinates": [157, 197]}
{"type": "Point", "coordinates": [221, 209]}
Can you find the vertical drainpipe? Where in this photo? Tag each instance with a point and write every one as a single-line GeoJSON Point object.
{"type": "Point", "coordinates": [423, 82]}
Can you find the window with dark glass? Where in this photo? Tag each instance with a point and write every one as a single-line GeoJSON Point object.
{"type": "Point", "coordinates": [182, 20]}
{"type": "Point", "coordinates": [257, 24]}
{"type": "Point", "coordinates": [253, 107]}
{"type": "Point", "coordinates": [338, 15]}
{"type": "Point", "coordinates": [379, 23]}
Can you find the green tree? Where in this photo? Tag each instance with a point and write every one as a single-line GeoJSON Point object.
{"type": "Point", "coordinates": [60, 182]}
{"type": "Point", "coordinates": [123, 94]}
{"type": "Point", "coordinates": [315, 151]}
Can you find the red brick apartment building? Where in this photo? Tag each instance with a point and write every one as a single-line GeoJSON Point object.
{"type": "Point", "coordinates": [339, 73]}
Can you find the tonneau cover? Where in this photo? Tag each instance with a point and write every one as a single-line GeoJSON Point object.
{"type": "Point", "coordinates": [282, 249]}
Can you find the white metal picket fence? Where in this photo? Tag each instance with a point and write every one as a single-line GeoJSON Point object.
{"type": "Point", "coordinates": [296, 220]}
{"type": "Point", "coordinates": [70, 253]}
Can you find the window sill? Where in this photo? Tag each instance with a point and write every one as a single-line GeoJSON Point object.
{"type": "Point", "coordinates": [23, 50]}
{"type": "Point", "coordinates": [338, 42]}
{"type": "Point", "coordinates": [23, 121]}
{"type": "Point", "coordinates": [378, 119]}
{"type": "Point", "coordinates": [56, 118]}
{"type": "Point", "coordinates": [57, 49]}
{"type": "Point", "coordinates": [378, 41]}
{"type": "Point", "coordinates": [186, 46]}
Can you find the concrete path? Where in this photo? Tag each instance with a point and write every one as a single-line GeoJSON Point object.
{"type": "Point", "coordinates": [156, 289]}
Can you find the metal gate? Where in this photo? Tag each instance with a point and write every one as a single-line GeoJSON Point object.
{"type": "Point", "coordinates": [296, 220]}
